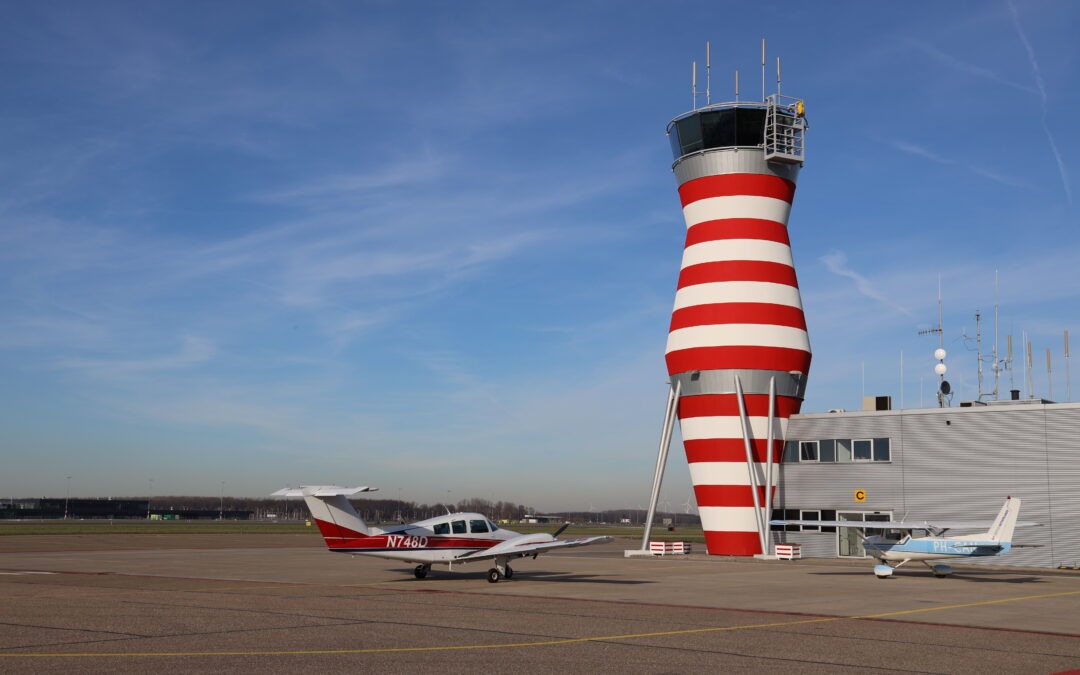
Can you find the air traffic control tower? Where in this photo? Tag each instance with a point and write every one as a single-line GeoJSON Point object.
{"type": "Point", "coordinates": [737, 351]}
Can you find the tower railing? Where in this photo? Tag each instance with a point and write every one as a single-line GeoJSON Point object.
{"type": "Point", "coordinates": [785, 130]}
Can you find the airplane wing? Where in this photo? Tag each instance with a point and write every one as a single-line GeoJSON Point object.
{"type": "Point", "coordinates": [866, 525]}
{"type": "Point", "coordinates": [899, 524]}
{"type": "Point", "coordinates": [509, 548]}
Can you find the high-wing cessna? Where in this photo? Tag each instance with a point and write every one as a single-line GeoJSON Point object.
{"type": "Point", "coordinates": [445, 540]}
{"type": "Point", "coordinates": [892, 551]}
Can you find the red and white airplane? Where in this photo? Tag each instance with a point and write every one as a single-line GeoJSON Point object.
{"type": "Point", "coordinates": [445, 540]}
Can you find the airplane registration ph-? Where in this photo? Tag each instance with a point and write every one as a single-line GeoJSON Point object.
{"type": "Point", "coordinates": [444, 540]}
{"type": "Point", "coordinates": [892, 551]}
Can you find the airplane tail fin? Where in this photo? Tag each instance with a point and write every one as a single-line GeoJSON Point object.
{"type": "Point", "coordinates": [338, 521]}
{"type": "Point", "coordinates": [1005, 522]}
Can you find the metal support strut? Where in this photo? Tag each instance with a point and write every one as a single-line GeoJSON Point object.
{"type": "Point", "coordinates": [661, 459]}
{"type": "Point", "coordinates": [747, 435]}
{"type": "Point", "coordinates": [769, 482]}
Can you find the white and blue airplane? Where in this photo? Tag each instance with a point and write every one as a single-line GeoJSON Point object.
{"type": "Point", "coordinates": [892, 552]}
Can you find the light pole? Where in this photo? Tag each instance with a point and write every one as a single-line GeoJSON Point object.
{"type": "Point", "coordinates": [221, 505]}
{"type": "Point", "coordinates": [67, 497]}
{"type": "Point", "coordinates": [149, 496]}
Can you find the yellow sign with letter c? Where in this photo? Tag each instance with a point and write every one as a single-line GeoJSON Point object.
{"type": "Point", "coordinates": [860, 496]}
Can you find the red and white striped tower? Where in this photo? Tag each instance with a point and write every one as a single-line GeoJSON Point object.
{"type": "Point", "coordinates": [738, 351]}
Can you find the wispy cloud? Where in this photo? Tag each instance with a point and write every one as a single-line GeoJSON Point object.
{"type": "Point", "coordinates": [193, 352]}
{"type": "Point", "coordinates": [985, 172]}
{"type": "Point", "coordinates": [962, 66]}
{"type": "Point", "coordinates": [836, 262]}
{"type": "Point", "coordinates": [1041, 88]}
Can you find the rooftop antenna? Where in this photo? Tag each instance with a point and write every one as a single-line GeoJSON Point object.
{"type": "Point", "coordinates": [708, 74]}
{"type": "Point", "coordinates": [1029, 379]}
{"type": "Point", "coordinates": [940, 328]}
{"type": "Point", "coordinates": [1009, 365]}
{"type": "Point", "coordinates": [1049, 377]}
{"type": "Point", "coordinates": [944, 388]}
{"type": "Point", "coordinates": [762, 69]}
{"type": "Point", "coordinates": [1068, 384]}
{"type": "Point", "coordinates": [693, 85]}
{"type": "Point", "coordinates": [736, 86]}
{"type": "Point", "coordinates": [978, 349]}
{"type": "Point", "coordinates": [778, 76]}
{"type": "Point", "coordinates": [997, 361]}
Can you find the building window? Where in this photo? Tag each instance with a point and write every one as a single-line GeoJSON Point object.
{"type": "Point", "coordinates": [785, 514]}
{"type": "Point", "coordinates": [838, 450]}
{"type": "Point", "coordinates": [810, 515]}
{"type": "Point", "coordinates": [843, 449]}
{"type": "Point", "coordinates": [881, 450]}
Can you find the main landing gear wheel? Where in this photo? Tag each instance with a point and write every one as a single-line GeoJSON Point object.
{"type": "Point", "coordinates": [509, 572]}
{"type": "Point", "coordinates": [421, 571]}
{"type": "Point", "coordinates": [494, 575]}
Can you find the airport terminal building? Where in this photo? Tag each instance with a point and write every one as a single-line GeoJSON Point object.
{"type": "Point", "coordinates": [943, 463]}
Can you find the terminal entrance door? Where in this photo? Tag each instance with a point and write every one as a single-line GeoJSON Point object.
{"type": "Point", "coordinates": [849, 543]}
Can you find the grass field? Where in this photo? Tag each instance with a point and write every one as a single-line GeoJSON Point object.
{"type": "Point", "coordinates": [158, 527]}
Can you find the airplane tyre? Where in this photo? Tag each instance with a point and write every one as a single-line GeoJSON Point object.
{"type": "Point", "coordinates": [421, 571]}
{"type": "Point", "coordinates": [493, 575]}
{"type": "Point", "coordinates": [509, 572]}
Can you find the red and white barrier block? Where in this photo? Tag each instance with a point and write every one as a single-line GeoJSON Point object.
{"type": "Point", "coordinates": [788, 552]}
{"type": "Point", "coordinates": [669, 547]}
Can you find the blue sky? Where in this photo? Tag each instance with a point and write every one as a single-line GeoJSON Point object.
{"type": "Point", "coordinates": [433, 246]}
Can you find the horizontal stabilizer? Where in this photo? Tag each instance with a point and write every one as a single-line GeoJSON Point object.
{"type": "Point", "coordinates": [321, 491]}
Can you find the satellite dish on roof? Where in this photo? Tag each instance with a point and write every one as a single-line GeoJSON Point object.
{"type": "Point", "coordinates": [946, 388]}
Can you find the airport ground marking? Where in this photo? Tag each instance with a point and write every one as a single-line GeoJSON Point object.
{"type": "Point", "coordinates": [541, 643]}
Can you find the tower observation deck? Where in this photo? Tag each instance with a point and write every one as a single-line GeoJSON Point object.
{"type": "Point", "coordinates": [738, 352]}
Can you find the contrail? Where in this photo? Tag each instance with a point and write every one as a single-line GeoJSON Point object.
{"type": "Point", "coordinates": [836, 262]}
{"type": "Point", "coordinates": [1042, 94]}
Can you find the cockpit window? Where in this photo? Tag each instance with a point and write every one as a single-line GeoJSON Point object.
{"type": "Point", "coordinates": [478, 526]}
{"type": "Point", "coordinates": [492, 525]}
{"type": "Point", "coordinates": [441, 528]}
{"type": "Point", "coordinates": [459, 526]}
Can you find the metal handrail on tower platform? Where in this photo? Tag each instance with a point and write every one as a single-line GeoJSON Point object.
{"type": "Point", "coordinates": [785, 130]}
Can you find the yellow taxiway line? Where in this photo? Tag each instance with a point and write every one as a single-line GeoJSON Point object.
{"type": "Point", "coordinates": [540, 643]}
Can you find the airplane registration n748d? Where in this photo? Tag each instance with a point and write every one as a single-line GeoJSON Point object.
{"type": "Point", "coordinates": [445, 540]}
{"type": "Point", "coordinates": [892, 552]}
